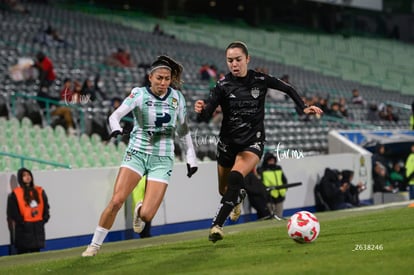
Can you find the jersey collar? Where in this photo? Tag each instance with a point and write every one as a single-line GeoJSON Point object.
{"type": "Point", "coordinates": [157, 97]}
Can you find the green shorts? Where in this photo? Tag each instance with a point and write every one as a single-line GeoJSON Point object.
{"type": "Point", "coordinates": [157, 168]}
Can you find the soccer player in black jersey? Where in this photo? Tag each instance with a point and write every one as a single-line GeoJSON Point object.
{"type": "Point", "coordinates": [241, 95]}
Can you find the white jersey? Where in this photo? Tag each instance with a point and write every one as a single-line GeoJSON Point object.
{"type": "Point", "coordinates": [156, 120]}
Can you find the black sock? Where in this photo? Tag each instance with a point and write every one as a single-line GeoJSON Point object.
{"type": "Point", "coordinates": [230, 198]}
{"type": "Point", "coordinates": [222, 214]}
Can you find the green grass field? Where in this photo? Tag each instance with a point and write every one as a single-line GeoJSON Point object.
{"type": "Point", "coordinates": [367, 241]}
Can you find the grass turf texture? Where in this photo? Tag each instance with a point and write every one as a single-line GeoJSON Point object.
{"type": "Point", "coordinates": [383, 237]}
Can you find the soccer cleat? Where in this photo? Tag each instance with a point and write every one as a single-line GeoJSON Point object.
{"type": "Point", "coordinates": [236, 212]}
{"type": "Point", "coordinates": [216, 234]}
{"type": "Point", "coordinates": [138, 224]}
{"type": "Point", "coordinates": [90, 251]}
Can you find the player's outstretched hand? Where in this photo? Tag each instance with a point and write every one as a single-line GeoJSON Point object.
{"type": "Point", "coordinates": [313, 110]}
{"type": "Point", "coordinates": [191, 170]}
{"type": "Point", "coordinates": [199, 106]}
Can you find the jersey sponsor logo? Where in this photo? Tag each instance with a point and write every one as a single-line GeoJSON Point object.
{"type": "Point", "coordinates": [151, 103]}
{"type": "Point", "coordinates": [232, 95]}
{"type": "Point", "coordinates": [162, 118]}
{"type": "Point", "coordinates": [259, 77]}
{"type": "Point", "coordinates": [255, 92]}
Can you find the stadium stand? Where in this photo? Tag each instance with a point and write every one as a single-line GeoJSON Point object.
{"type": "Point", "coordinates": [318, 65]}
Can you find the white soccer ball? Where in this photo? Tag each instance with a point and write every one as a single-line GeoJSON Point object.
{"type": "Point", "coordinates": [303, 227]}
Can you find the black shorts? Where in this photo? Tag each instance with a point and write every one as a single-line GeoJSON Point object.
{"type": "Point", "coordinates": [226, 153]}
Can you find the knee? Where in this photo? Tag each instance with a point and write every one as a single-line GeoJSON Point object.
{"type": "Point", "coordinates": [115, 204]}
{"type": "Point", "coordinates": [235, 180]}
{"type": "Point", "coordinates": [235, 183]}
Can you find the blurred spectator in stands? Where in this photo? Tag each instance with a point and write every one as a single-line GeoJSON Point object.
{"type": "Point", "coordinates": [220, 75]}
{"type": "Point", "coordinates": [357, 98]}
{"type": "Point", "coordinates": [88, 92]}
{"type": "Point", "coordinates": [409, 172]}
{"type": "Point", "coordinates": [157, 30]}
{"type": "Point", "coordinates": [15, 6]}
{"type": "Point", "coordinates": [373, 114]}
{"type": "Point", "coordinates": [387, 113]}
{"type": "Point", "coordinates": [352, 193]}
{"type": "Point", "coordinates": [51, 37]}
{"type": "Point", "coordinates": [380, 170]}
{"type": "Point", "coordinates": [208, 72]}
{"type": "Point", "coordinates": [335, 111]}
{"type": "Point", "coordinates": [397, 177]}
{"type": "Point", "coordinates": [343, 108]}
{"type": "Point", "coordinates": [62, 113]}
{"type": "Point", "coordinates": [120, 58]}
{"type": "Point", "coordinates": [44, 65]}
{"type": "Point", "coordinates": [381, 179]}
{"type": "Point", "coordinates": [76, 97]}
{"type": "Point", "coordinates": [66, 91]}
{"type": "Point", "coordinates": [323, 104]}
{"type": "Point", "coordinates": [380, 156]}
{"type": "Point", "coordinates": [333, 190]}
{"type": "Point", "coordinates": [47, 77]}
{"type": "Point", "coordinates": [203, 72]}
{"type": "Point", "coordinates": [98, 84]}
{"type": "Point", "coordinates": [257, 195]}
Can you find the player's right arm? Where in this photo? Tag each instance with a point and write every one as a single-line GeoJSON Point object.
{"type": "Point", "coordinates": [127, 106]}
{"type": "Point", "coordinates": [205, 110]}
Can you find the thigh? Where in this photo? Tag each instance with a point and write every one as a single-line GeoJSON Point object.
{"type": "Point", "coordinates": [125, 182]}
{"type": "Point", "coordinates": [245, 162]}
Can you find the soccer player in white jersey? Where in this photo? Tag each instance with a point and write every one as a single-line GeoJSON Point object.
{"type": "Point", "coordinates": [159, 113]}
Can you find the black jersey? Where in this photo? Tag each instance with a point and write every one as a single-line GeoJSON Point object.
{"type": "Point", "coordinates": [242, 100]}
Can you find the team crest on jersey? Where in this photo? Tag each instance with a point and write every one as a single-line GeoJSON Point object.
{"type": "Point", "coordinates": [174, 102]}
{"type": "Point", "coordinates": [255, 92]}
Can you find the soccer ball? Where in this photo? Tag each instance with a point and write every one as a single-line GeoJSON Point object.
{"type": "Point", "coordinates": [303, 227]}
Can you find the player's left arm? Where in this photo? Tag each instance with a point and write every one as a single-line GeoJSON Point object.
{"type": "Point", "coordinates": [276, 83]}
{"type": "Point", "coordinates": [184, 133]}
